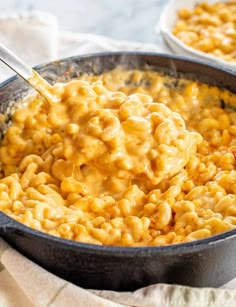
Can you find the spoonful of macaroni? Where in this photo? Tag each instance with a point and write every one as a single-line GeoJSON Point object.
{"type": "Point", "coordinates": [27, 73]}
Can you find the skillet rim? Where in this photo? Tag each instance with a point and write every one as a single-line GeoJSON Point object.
{"type": "Point", "coordinates": [12, 225]}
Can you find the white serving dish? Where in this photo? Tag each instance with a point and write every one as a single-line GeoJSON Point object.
{"type": "Point", "coordinates": [166, 24]}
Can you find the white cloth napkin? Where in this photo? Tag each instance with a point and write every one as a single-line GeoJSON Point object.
{"type": "Point", "coordinates": [25, 284]}
{"type": "Point", "coordinates": [36, 39]}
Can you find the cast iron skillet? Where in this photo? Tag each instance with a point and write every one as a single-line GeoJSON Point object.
{"type": "Point", "coordinates": [207, 262]}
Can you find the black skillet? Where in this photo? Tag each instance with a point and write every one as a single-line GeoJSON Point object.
{"type": "Point", "coordinates": [203, 263]}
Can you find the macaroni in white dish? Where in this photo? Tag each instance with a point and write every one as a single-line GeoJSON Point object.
{"type": "Point", "coordinates": [210, 28]}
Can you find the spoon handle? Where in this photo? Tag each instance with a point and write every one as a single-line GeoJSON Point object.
{"type": "Point", "coordinates": [27, 73]}
{"type": "Point", "coordinates": [12, 61]}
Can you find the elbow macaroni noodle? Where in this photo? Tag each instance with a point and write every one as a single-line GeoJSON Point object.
{"type": "Point", "coordinates": [210, 28]}
{"type": "Point", "coordinates": [112, 162]}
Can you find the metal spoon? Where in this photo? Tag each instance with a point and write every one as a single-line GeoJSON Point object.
{"type": "Point", "coordinates": [27, 73]}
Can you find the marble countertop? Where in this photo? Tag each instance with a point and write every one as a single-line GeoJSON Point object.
{"type": "Point", "coordinates": [120, 19]}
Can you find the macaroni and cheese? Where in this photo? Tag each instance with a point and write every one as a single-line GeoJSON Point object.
{"type": "Point", "coordinates": [111, 161]}
{"type": "Point", "coordinates": [209, 28]}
